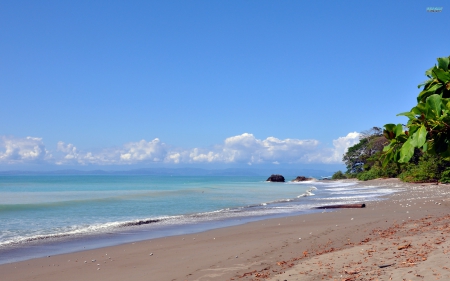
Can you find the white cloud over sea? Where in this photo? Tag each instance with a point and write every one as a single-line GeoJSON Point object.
{"type": "Point", "coordinates": [244, 148]}
{"type": "Point", "coordinates": [18, 150]}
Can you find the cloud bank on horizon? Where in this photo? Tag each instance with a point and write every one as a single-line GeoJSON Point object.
{"type": "Point", "coordinates": [244, 148]}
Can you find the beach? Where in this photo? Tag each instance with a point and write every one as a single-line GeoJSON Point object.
{"type": "Point", "coordinates": [403, 237]}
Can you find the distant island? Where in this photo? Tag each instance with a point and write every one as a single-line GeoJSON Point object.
{"type": "Point", "coordinates": [176, 172]}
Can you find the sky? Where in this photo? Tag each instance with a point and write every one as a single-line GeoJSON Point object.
{"type": "Point", "coordinates": [133, 84]}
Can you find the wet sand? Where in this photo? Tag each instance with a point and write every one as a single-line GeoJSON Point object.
{"type": "Point", "coordinates": [407, 234]}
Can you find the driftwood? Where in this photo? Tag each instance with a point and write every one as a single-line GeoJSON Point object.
{"type": "Point", "coordinates": [386, 265]}
{"type": "Point", "coordinates": [346, 206]}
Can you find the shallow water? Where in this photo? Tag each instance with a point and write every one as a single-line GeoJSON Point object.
{"type": "Point", "coordinates": [41, 212]}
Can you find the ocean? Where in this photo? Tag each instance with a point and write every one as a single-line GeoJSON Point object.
{"type": "Point", "coordinates": [52, 214]}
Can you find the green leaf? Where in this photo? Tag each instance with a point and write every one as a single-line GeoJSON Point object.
{"type": "Point", "coordinates": [425, 147]}
{"type": "Point", "coordinates": [441, 75]}
{"type": "Point", "coordinates": [418, 110]}
{"type": "Point", "coordinates": [388, 132]}
{"type": "Point", "coordinates": [429, 71]}
{"type": "Point", "coordinates": [406, 152]}
{"type": "Point", "coordinates": [443, 63]}
{"type": "Point", "coordinates": [408, 114]}
{"type": "Point", "coordinates": [413, 129]}
{"type": "Point", "coordinates": [387, 159]}
{"type": "Point", "coordinates": [434, 104]}
{"type": "Point", "coordinates": [428, 92]}
{"type": "Point", "coordinates": [398, 130]}
{"type": "Point", "coordinates": [421, 136]}
{"type": "Point", "coordinates": [390, 127]}
{"type": "Point", "coordinates": [385, 162]}
{"type": "Point", "coordinates": [424, 83]}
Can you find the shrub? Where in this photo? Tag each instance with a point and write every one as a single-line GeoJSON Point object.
{"type": "Point", "coordinates": [445, 176]}
{"type": "Point", "coordinates": [339, 175]}
{"type": "Point", "coordinates": [371, 174]}
{"type": "Point", "coordinates": [428, 169]}
{"type": "Point", "coordinates": [390, 171]}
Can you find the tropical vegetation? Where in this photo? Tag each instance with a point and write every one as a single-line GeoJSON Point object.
{"type": "Point", "coordinates": [416, 152]}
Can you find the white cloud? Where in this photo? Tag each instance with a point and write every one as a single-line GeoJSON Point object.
{"type": "Point", "coordinates": [131, 153]}
{"type": "Point", "coordinates": [153, 151]}
{"type": "Point", "coordinates": [334, 155]}
{"type": "Point", "coordinates": [22, 150]}
{"type": "Point", "coordinates": [244, 148]}
{"type": "Point", "coordinates": [70, 150]}
{"type": "Point", "coordinates": [342, 144]}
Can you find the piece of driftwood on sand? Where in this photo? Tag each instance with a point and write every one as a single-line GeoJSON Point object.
{"type": "Point", "coordinates": [345, 206]}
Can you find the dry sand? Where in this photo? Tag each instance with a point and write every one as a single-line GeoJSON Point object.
{"type": "Point", "coordinates": [407, 233]}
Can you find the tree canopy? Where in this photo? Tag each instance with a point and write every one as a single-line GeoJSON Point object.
{"type": "Point", "coordinates": [360, 156]}
{"type": "Point", "coordinates": [418, 151]}
{"type": "Point", "coordinates": [428, 127]}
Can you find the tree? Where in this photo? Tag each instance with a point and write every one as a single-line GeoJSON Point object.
{"type": "Point", "coordinates": [339, 175]}
{"type": "Point", "coordinates": [361, 156]}
{"type": "Point", "coordinates": [428, 127]}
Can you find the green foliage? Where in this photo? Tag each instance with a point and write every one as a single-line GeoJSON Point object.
{"type": "Point", "coordinates": [351, 176]}
{"type": "Point", "coordinates": [428, 169]}
{"type": "Point", "coordinates": [445, 176]}
{"type": "Point", "coordinates": [377, 171]}
{"type": "Point", "coordinates": [339, 175]}
{"type": "Point", "coordinates": [428, 127]}
{"type": "Point", "coordinates": [360, 157]}
{"type": "Point", "coordinates": [355, 157]}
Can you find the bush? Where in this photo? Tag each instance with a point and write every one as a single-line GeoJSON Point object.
{"type": "Point", "coordinates": [390, 171]}
{"type": "Point", "coordinates": [445, 176]}
{"type": "Point", "coordinates": [428, 169]}
{"type": "Point", "coordinates": [371, 174]}
{"type": "Point", "coordinates": [339, 175]}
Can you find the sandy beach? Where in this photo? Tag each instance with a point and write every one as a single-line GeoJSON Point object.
{"type": "Point", "coordinates": [404, 237]}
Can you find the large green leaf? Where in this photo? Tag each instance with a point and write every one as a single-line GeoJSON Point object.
{"type": "Point", "coordinates": [443, 63]}
{"type": "Point", "coordinates": [428, 92]}
{"type": "Point", "coordinates": [388, 132]}
{"type": "Point", "coordinates": [408, 114]}
{"type": "Point", "coordinates": [421, 136]}
{"type": "Point", "coordinates": [390, 126]}
{"type": "Point", "coordinates": [413, 128]}
{"type": "Point", "coordinates": [442, 75]}
{"type": "Point", "coordinates": [419, 109]}
{"type": "Point", "coordinates": [386, 161]}
{"type": "Point", "coordinates": [434, 104]}
{"type": "Point", "coordinates": [388, 147]}
{"type": "Point", "coordinates": [406, 152]}
{"type": "Point", "coordinates": [398, 130]}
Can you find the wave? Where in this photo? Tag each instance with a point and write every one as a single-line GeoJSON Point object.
{"type": "Point", "coordinates": [297, 203]}
{"type": "Point", "coordinates": [265, 208]}
{"type": "Point", "coordinates": [302, 182]}
{"type": "Point", "coordinates": [308, 192]}
{"type": "Point", "coordinates": [80, 230]}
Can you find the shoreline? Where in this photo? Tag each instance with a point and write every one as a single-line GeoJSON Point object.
{"type": "Point", "coordinates": [144, 228]}
{"type": "Point", "coordinates": [251, 251]}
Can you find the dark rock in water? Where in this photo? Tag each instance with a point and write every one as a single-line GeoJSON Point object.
{"type": "Point", "coordinates": [302, 178]}
{"type": "Point", "coordinates": [276, 178]}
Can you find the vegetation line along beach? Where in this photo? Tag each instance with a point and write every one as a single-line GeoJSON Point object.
{"type": "Point", "coordinates": [418, 151]}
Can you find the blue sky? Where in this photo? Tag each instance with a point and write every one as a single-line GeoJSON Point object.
{"type": "Point", "coordinates": [213, 83]}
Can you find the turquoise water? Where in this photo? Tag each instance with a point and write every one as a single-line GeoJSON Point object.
{"type": "Point", "coordinates": [48, 208]}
